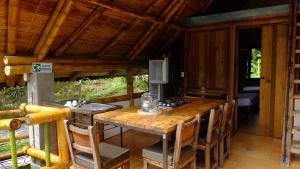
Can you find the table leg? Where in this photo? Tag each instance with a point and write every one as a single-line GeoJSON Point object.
{"type": "Point", "coordinates": [121, 138]}
{"type": "Point", "coordinates": [165, 151]}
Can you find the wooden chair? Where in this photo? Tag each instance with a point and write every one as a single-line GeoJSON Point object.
{"type": "Point", "coordinates": [226, 132]}
{"type": "Point", "coordinates": [183, 152]}
{"type": "Point", "coordinates": [211, 141]}
{"type": "Point", "coordinates": [86, 152]}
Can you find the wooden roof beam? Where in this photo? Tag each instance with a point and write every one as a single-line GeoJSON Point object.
{"type": "Point", "coordinates": [13, 8]}
{"type": "Point", "coordinates": [146, 39]}
{"type": "Point", "coordinates": [136, 15]}
{"type": "Point", "coordinates": [21, 69]}
{"type": "Point", "coordinates": [169, 42]}
{"type": "Point", "coordinates": [121, 34]}
{"type": "Point", "coordinates": [50, 32]}
{"type": "Point", "coordinates": [27, 60]}
{"type": "Point", "coordinates": [49, 26]}
{"type": "Point", "coordinates": [76, 34]}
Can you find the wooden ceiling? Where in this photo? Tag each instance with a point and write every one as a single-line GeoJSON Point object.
{"type": "Point", "coordinates": [124, 30]}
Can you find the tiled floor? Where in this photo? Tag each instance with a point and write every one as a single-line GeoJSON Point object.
{"type": "Point", "coordinates": [248, 151]}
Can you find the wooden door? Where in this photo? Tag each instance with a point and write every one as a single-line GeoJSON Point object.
{"type": "Point", "coordinates": [265, 115]}
{"type": "Point", "coordinates": [273, 79]}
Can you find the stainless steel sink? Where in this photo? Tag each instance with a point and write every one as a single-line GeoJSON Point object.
{"type": "Point", "coordinates": [97, 107]}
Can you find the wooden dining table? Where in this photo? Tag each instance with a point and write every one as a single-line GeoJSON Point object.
{"type": "Point", "coordinates": [162, 124]}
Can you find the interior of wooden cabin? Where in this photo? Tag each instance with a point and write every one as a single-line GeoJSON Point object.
{"type": "Point", "coordinates": [222, 77]}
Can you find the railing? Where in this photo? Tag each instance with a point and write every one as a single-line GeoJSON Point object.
{"type": "Point", "coordinates": [32, 115]}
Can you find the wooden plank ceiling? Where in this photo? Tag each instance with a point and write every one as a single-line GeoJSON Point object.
{"type": "Point", "coordinates": [124, 30]}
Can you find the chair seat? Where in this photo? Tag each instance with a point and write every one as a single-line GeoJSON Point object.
{"type": "Point", "coordinates": [155, 153]}
{"type": "Point", "coordinates": [110, 155]}
{"type": "Point", "coordinates": [202, 142]}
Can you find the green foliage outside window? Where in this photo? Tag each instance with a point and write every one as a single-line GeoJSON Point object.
{"type": "Point", "coordinates": [255, 63]}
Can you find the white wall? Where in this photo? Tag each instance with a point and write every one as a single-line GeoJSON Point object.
{"type": "Point", "coordinates": [116, 131]}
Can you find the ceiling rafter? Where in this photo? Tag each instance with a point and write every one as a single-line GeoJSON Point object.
{"type": "Point", "coordinates": [13, 8]}
{"type": "Point", "coordinates": [51, 31]}
{"type": "Point", "coordinates": [136, 15]}
{"type": "Point", "coordinates": [76, 34]}
{"type": "Point", "coordinates": [122, 33]}
{"type": "Point", "coordinates": [169, 43]}
{"type": "Point", "coordinates": [145, 40]}
{"type": "Point", "coordinates": [49, 26]}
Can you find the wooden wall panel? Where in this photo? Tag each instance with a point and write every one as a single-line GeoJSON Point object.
{"type": "Point", "coordinates": [207, 64]}
{"type": "Point", "coordinates": [207, 59]}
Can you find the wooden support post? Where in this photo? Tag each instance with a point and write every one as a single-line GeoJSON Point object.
{"type": "Point", "coordinates": [130, 86]}
{"type": "Point", "coordinates": [136, 15]}
{"type": "Point", "coordinates": [83, 26]}
{"type": "Point", "coordinates": [232, 65]}
{"type": "Point", "coordinates": [53, 32]}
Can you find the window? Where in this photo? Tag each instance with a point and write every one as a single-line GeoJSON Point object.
{"type": "Point", "coordinates": [140, 83]}
{"type": "Point", "coordinates": [89, 89]}
{"type": "Point", "coordinates": [255, 63]}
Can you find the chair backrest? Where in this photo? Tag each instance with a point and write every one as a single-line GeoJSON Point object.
{"type": "Point", "coordinates": [231, 111]}
{"type": "Point", "coordinates": [224, 118]}
{"type": "Point", "coordinates": [214, 122]}
{"type": "Point", "coordinates": [186, 135]}
{"type": "Point", "coordinates": [82, 140]}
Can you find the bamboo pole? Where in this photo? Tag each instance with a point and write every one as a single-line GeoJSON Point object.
{"type": "Point", "coordinates": [47, 145]}
{"type": "Point", "coordinates": [13, 149]}
{"type": "Point", "coordinates": [8, 124]}
{"type": "Point", "coordinates": [63, 149]}
{"type": "Point", "coordinates": [54, 30]}
{"type": "Point", "coordinates": [28, 60]}
{"type": "Point", "coordinates": [79, 31]}
{"type": "Point", "coordinates": [40, 154]}
{"type": "Point", "coordinates": [12, 113]}
{"type": "Point", "coordinates": [136, 15]}
{"type": "Point", "coordinates": [5, 139]}
{"type": "Point", "coordinates": [42, 114]}
{"type": "Point", "coordinates": [21, 69]}
{"type": "Point", "coordinates": [6, 156]}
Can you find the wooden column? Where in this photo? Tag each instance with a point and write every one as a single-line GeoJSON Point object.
{"type": "Point", "coordinates": [130, 86]}
{"type": "Point", "coordinates": [232, 63]}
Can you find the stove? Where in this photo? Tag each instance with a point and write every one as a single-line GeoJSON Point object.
{"type": "Point", "coordinates": [172, 102]}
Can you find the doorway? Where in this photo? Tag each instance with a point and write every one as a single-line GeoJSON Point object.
{"type": "Point", "coordinates": [249, 74]}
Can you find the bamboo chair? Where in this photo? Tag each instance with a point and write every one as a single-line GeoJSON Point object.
{"type": "Point", "coordinates": [183, 152]}
{"type": "Point", "coordinates": [211, 141]}
{"type": "Point", "coordinates": [86, 152]}
{"type": "Point", "coordinates": [226, 132]}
